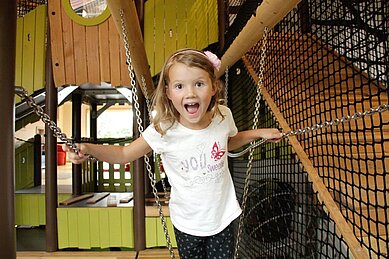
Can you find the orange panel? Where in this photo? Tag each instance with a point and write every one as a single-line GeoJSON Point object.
{"type": "Point", "coordinates": [56, 42]}
{"type": "Point", "coordinates": [67, 32]}
{"type": "Point", "coordinates": [80, 54]}
{"type": "Point", "coordinates": [92, 54]}
{"type": "Point", "coordinates": [104, 53]}
{"type": "Point", "coordinates": [114, 45]}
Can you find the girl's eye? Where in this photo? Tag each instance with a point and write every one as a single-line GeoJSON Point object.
{"type": "Point", "coordinates": [199, 84]}
{"type": "Point", "coordinates": [178, 86]}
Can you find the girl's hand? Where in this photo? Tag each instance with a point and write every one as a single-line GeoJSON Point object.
{"type": "Point", "coordinates": [73, 156]}
{"type": "Point", "coordinates": [271, 135]}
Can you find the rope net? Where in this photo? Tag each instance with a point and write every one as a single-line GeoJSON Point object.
{"type": "Point", "coordinates": [325, 60]}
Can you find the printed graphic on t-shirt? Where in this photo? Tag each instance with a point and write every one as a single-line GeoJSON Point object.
{"type": "Point", "coordinates": [205, 166]}
{"type": "Point", "coordinates": [217, 153]}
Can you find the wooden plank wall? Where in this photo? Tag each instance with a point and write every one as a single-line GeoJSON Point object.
{"type": "Point", "coordinates": [95, 54]}
{"type": "Point", "coordinates": [85, 54]}
{"type": "Point", "coordinates": [30, 50]}
{"type": "Point", "coordinates": [174, 24]}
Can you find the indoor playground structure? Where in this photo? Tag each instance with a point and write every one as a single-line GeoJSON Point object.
{"type": "Point", "coordinates": [316, 70]}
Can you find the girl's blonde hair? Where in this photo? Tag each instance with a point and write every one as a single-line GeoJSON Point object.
{"type": "Point", "coordinates": [164, 110]}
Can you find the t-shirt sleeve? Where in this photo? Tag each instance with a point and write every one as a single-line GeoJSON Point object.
{"type": "Point", "coordinates": [153, 138]}
{"type": "Point", "coordinates": [233, 130]}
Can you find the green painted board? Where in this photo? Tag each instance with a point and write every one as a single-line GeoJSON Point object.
{"type": "Point", "coordinates": [40, 45]}
{"type": "Point", "coordinates": [148, 32]}
{"type": "Point", "coordinates": [170, 27]}
{"type": "Point", "coordinates": [159, 35]}
{"type": "Point", "coordinates": [28, 51]}
{"type": "Point", "coordinates": [84, 236]}
{"type": "Point", "coordinates": [19, 54]}
{"type": "Point", "coordinates": [151, 232]}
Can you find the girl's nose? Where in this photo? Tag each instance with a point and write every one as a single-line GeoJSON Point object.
{"type": "Point", "coordinates": [191, 91]}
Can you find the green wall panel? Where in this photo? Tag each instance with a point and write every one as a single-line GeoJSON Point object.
{"type": "Point", "coordinates": [19, 54]}
{"type": "Point", "coordinates": [174, 24]}
{"type": "Point", "coordinates": [149, 33]}
{"type": "Point", "coordinates": [28, 51]}
{"type": "Point", "coordinates": [40, 51]}
{"type": "Point", "coordinates": [31, 209]}
{"type": "Point", "coordinates": [87, 228]}
{"type": "Point", "coordinates": [155, 236]}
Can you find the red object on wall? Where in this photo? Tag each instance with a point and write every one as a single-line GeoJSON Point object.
{"type": "Point", "coordinates": [61, 155]}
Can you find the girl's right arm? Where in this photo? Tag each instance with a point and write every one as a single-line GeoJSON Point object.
{"type": "Point", "coordinates": [109, 153]}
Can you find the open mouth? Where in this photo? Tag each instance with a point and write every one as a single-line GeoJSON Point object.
{"type": "Point", "coordinates": [191, 108]}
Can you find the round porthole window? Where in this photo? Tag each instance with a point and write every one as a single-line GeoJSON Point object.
{"type": "Point", "coordinates": [86, 12]}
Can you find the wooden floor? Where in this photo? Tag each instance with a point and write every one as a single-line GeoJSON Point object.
{"type": "Point", "coordinates": [148, 253]}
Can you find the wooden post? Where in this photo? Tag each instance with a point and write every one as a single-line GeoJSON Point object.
{"type": "Point", "coordinates": [76, 129]}
{"type": "Point", "coordinates": [37, 160]}
{"type": "Point", "coordinates": [7, 159]}
{"type": "Point", "coordinates": [51, 187]}
{"type": "Point", "coordinates": [222, 23]}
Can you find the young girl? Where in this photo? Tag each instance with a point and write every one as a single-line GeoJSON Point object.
{"type": "Point", "coordinates": [193, 134]}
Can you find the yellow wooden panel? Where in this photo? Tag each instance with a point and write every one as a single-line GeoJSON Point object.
{"type": "Point", "coordinates": [127, 227]}
{"type": "Point", "coordinates": [193, 19]}
{"type": "Point", "coordinates": [148, 32]}
{"type": "Point", "coordinates": [170, 27]}
{"type": "Point", "coordinates": [104, 228]}
{"type": "Point", "coordinates": [104, 52]}
{"type": "Point", "coordinates": [213, 29]}
{"type": "Point", "coordinates": [151, 232]}
{"type": "Point", "coordinates": [159, 35]}
{"type": "Point", "coordinates": [57, 47]}
{"type": "Point", "coordinates": [63, 234]}
{"type": "Point", "coordinates": [19, 209]}
{"type": "Point", "coordinates": [182, 23]}
{"type": "Point", "coordinates": [201, 10]}
{"type": "Point", "coordinates": [68, 49]}
{"type": "Point", "coordinates": [115, 231]}
{"type": "Point", "coordinates": [72, 231]}
{"type": "Point", "coordinates": [42, 209]}
{"type": "Point", "coordinates": [114, 53]}
{"type": "Point", "coordinates": [34, 209]}
{"type": "Point", "coordinates": [19, 54]}
{"type": "Point", "coordinates": [161, 238]}
{"type": "Point", "coordinates": [94, 221]}
{"type": "Point", "coordinates": [80, 58]}
{"type": "Point", "coordinates": [92, 54]}
{"type": "Point", "coordinates": [40, 47]}
{"type": "Point", "coordinates": [28, 51]}
{"type": "Point", "coordinates": [83, 228]}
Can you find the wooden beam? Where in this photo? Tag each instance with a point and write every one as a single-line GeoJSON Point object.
{"type": "Point", "coordinates": [135, 40]}
{"type": "Point", "coordinates": [324, 196]}
{"type": "Point", "coordinates": [268, 14]}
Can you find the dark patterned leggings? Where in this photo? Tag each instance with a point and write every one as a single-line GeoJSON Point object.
{"type": "Point", "coordinates": [216, 246]}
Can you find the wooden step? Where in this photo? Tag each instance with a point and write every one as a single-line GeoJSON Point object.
{"type": "Point", "coordinates": [157, 254]}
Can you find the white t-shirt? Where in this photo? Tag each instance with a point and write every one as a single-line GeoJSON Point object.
{"type": "Point", "coordinates": [203, 200]}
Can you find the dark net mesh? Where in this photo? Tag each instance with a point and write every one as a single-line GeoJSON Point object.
{"type": "Point", "coordinates": [325, 60]}
{"type": "Point", "coordinates": [23, 7]}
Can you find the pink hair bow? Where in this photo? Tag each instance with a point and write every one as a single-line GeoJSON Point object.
{"type": "Point", "coordinates": [214, 60]}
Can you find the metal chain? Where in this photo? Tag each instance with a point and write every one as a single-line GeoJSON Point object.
{"type": "Point", "coordinates": [251, 155]}
{"type": "Point", "coordinates": [57, 132]}
{"type": "Point", "coordinates": [226, 87]}
{"type": "Point", "coordinates": [358, 115]}
{"type": "Point", "coordinates": [140, 129]}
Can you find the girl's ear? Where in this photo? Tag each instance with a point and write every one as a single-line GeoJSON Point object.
{"type": "Point", "coordinates": [167, 91]}
{"type": "Point", "coordinates": [215, 88]}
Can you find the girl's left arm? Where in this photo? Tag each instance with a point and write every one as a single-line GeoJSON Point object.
{"type": "Point", "coordinates": [244, 137]}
